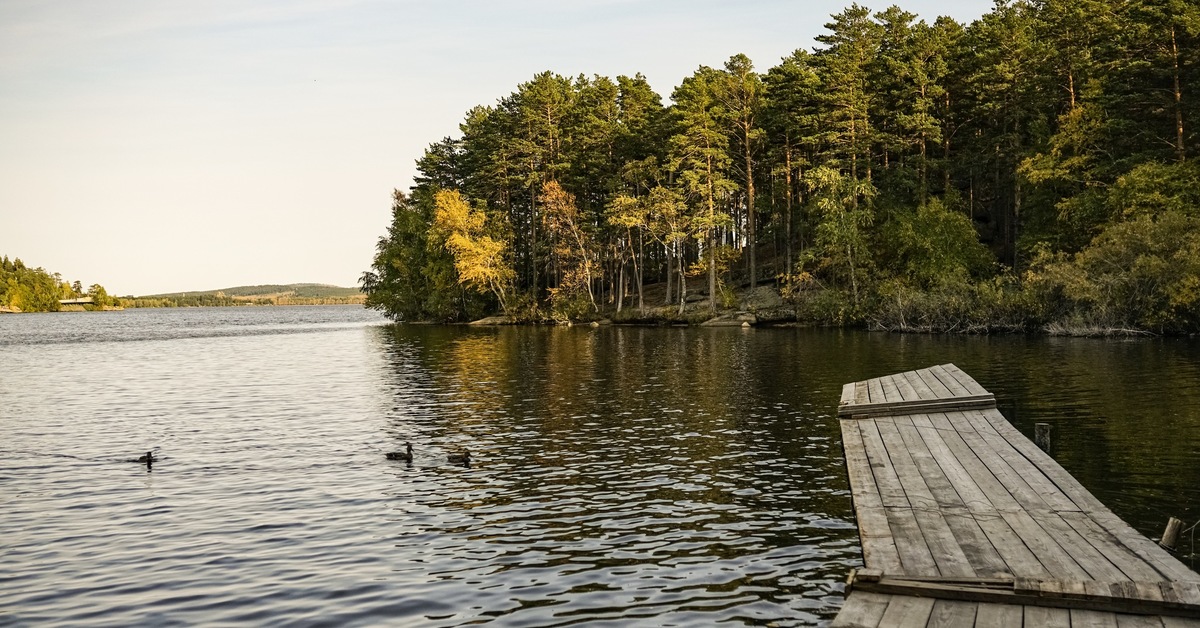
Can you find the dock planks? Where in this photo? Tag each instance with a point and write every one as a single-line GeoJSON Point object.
{"type": "Point", "coordinates": [965, 522]}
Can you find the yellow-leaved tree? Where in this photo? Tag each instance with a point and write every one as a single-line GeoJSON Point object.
{"type": "Point", "coordinates": [482, 260]}
{"type": "Point", "coordinates": [573, 252]}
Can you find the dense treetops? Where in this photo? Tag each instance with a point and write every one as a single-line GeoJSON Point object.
{"type": "Point", "coordinates": [1036, 167]}
{"type": "Point", "coordinates": [25, 289]}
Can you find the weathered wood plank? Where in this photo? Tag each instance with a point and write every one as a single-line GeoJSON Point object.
{"type": "Point", "coordinates": [919, 385]}
{"type": "Point", "coordinates": [1118, 597]}
{"type": "Point", "coordinates": [956, 454]}
{"type": "Point", "coordinates": [1087, 618]}
{"type": "Point", "coordinates": [1033, 475]}
{"type": "Point", "coordinates": [984, 498]}
{"type": "Point", "coordinates": [891, 491]}
{"type": "Point", "coordinates": [1144, 548]}
{"type": "Point", "coordinates": [953, 385]}
{"type": "Point", "coordinates": [1132, 566]}
{"type": "Point", "coordinates": [971, 539]}
{"type": "Point", "coordinates": [862, 610]}
{"type": "Point", "coordinates": [967, 381]}
{"type": "Point", "coordinates": [875, 391]}
{"type": "Point", "coordinates": [921, 420]}
{"type": "Point", "coordinates": [907, 392]}
{"type": "Point", "coordinates": [891, 394]}
{"type": "Point", "coordinates": [915, 556]}
{"type": "Point", "coordinates": [1065, 483]}
{"type": "Point", "coordinates": [1179, 622]}
{"type": "Point", "coordinates": [1138, 621]}
{"type": "Point", "coordinates": [947, 554]}
{"type": "Point", "coordinates": [901, 457]}
{"type": "Point", "coordinates": [879, 549]}
{"type": "Point", "coordinates": [998, 616]}
{"type": "Point", "coordinates": [939, 389]}
{"type": "Point", "coordinates": [952, 614]}
{"type": "Point", "coordinates": [1047, 617]}
{"type": "Point", "coordinates": [1182, 591]}
{"type": "Point", "coordinates": [918, 406]}
{"type": "Point", "coordinates": [861, 395]}
{"type": "Point", "coordinates": [1015, 480]}
{"type": "Point", "coordinates": [862, 480]}
{"type": "Point", "coordinates": [941, 421]}
{"type": "Point", "coordinates": [847, 394]}
{"type": "Point", "coordinates": [1095, 563]}
{"type": "Point", "coordinates": [1049, 553]}
{"type": "Point", "coordinates": [907, 612]}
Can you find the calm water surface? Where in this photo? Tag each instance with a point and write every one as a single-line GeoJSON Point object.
{"type": "Point", "coordinates": [621, 476]}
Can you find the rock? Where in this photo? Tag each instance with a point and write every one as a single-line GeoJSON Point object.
{"type": "Point", "coordinates": [762, 298]}
{"type": "Point", "coordinates": [725, 320]}
{"type": "Point", "coordinates": [493, 320]}
{"type": "Point", "coordinates": [776, 315]}
{"type": "Point", "coordinates": [746, 317]}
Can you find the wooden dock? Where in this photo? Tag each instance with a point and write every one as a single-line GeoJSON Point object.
{"type": "Point", "coordinates": [965, 522]}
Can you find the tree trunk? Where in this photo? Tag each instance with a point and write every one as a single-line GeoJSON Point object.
{"type": "Point", "coordinates": [1180, 153]}
{"type": "Point", "coordinates": [637, 271]}
{"type": "Point", "coordinates": [924, 173]}
{"type": "Point", "coordinates": [787, 195]}
{"type": "Point", "coordinates": [620, 290]}
{"type": "Point", "coordinates": [670, 274]}
{"type": "Point", "coordinates": [712, 248]}
{"type": "Point", "coordinates": [751, 215]}
{"type": "Point", "coordinates": [682, 280]}
{"type": "Point", "coordinates": [946, 149]}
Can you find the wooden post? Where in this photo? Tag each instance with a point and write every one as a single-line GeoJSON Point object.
{"type": "Point", "coordinates": [1041, 435]}
{"type": "Point", "coordinates": [1171, 535]}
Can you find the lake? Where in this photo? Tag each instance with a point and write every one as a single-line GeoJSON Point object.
{"type": "Point", "coordinates": [620, 475]}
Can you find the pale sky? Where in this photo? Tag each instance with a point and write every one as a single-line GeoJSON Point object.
{"type": "Point", "coordinates": [168, 145]}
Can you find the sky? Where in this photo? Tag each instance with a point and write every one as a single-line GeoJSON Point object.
{"type": "Point", "coordinates": [157, 146]}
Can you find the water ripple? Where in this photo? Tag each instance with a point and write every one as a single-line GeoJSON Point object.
{"type": "Point", "coordinates": [619, 476]}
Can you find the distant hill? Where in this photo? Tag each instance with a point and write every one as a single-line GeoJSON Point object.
{"type": "Point", "coordinates": [272, 294]}
{"type": "Point", "coordinates": [299, 290]}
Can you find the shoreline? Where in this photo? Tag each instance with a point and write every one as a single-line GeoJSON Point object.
{"type": "Point", "coordinates": [782, 318]}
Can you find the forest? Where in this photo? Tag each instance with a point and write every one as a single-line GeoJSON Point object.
{"type": "Point", "coordinates": [25, 289]}
{"type": "Point", "coordinates": [1034, 170]}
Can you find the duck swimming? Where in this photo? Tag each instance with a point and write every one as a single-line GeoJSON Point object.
{"type": "Point", "coordinates": [406, 456]}
{"type": "Point", "coordinates": [146, 459]}
{"type": "Point", "coordinates": [463, 458]}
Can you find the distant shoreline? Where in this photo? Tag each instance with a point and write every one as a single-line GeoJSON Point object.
{"type": "Point", "coordinates": [79, 308]}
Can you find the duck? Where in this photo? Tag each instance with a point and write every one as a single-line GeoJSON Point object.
{"type": "Point", "coordinates": [406, 455]}
{"type": "Point", "coordinates": [146, 459]}
{"type": "Point", "coordinates": [463, 458]}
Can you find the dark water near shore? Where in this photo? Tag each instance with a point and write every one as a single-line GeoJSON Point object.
{"type": "Point", "coordinates": [622, 476]}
